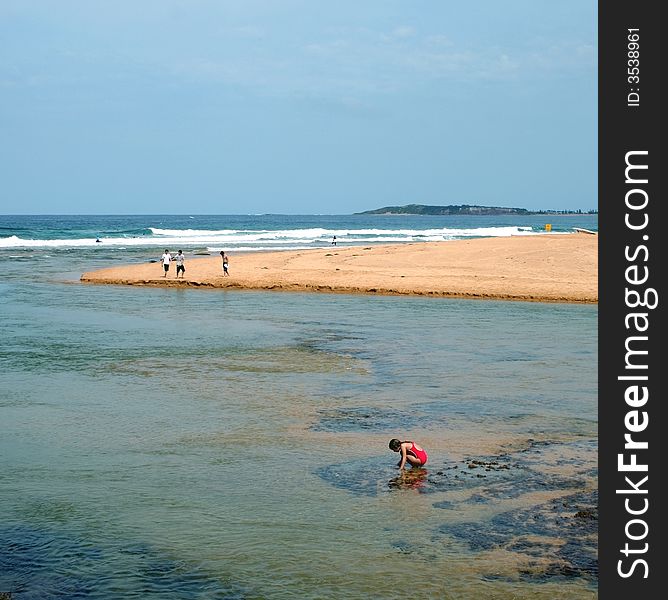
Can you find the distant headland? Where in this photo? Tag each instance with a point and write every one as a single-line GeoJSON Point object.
{"type": "Point", "coordinates": [466, 209]}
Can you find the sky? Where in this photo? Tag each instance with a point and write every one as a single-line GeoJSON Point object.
{"type": "Point", "coordinates": [296, 107]}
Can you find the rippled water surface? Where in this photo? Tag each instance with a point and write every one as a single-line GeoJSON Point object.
{"type": "Point", "coordinates": [210, 444]}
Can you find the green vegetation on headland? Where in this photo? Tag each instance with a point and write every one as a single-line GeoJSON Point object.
{"type": "Point", "coordinates": [466, 209]}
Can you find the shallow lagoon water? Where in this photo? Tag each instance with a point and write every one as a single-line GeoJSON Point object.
{"type": "Point", "coordinates": [210, 444]}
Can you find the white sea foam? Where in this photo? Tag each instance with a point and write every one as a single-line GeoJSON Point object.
{"type": "Point", "coordinates": [267, 239]}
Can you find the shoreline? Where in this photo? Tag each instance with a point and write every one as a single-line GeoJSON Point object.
{"type": "Point", "coordinates": [542, 268]}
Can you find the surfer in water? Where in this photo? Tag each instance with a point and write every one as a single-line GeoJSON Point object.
{"type": "Point", "coordinates": [415, 455]}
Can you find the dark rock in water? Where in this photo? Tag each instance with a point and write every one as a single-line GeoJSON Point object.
{"type": "Point", "coordinates": [531, 547]}
{"type": "Point", "coordinates": [361, 477]}
{"type": "Point", "coordinates": [445, 504]}
{"type": "Point", "coordinates": [477, 499]}
{"type": "Point", "coordinates": [69, 566]}
{"type": "Point", "coordinates": [364, 418]}
{"type": "Point", "coordinates": [551, 530]}
{"type": "Point", "coordinates": [497, 476]}
{"type": "Point", "coordinates": [404, 547]}
{"type": "Point", "coordinates": [508, 475]}
{"type": "Point", "coordinates": [564, 531]}
{"type": "Point", "coordinates": [582, 560]}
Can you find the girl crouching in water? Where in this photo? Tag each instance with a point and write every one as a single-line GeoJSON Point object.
{"type": "Point", "coordinates": [410, 452]}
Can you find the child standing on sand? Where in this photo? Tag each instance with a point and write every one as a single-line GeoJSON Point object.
{"type": "Point", "coordinates": [410, 452]}
{"type": "Point", "coordinates": [225, 262]}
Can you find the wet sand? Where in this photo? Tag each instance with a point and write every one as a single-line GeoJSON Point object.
{"type": "Point", "coordinates": [544, 268]}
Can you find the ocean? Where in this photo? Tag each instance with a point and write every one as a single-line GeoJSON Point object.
{"type": "Point", "coordinates": [189, 443]}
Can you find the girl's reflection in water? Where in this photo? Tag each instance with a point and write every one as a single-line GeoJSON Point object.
{"type": "Point", "coordinates": [410, 479]}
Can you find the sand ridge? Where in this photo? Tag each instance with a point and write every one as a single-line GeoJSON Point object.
{"type": "Point", "coordinates": [545, 268]}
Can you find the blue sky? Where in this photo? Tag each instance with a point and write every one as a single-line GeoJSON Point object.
{"type": "Point", "coordinates": [296, 107]}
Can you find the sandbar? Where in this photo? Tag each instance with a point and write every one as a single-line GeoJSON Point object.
{"type": "Point", "coordinates": [540, 268]}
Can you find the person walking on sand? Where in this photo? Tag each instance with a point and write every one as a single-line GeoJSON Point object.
{"type": "Point", "coordinates": [166, 259]}
{"type": "Point", "coordinates": [179, 259]}
{"type": "Point", "coordinates": [415, 455]}
{"type": "Point", "coordinates": [225, 263]}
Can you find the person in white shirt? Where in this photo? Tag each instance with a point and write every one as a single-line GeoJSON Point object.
{"type": "Point", "coordinates": [166, 259]}
{"type": "Point", "coordinates": [180, 267]}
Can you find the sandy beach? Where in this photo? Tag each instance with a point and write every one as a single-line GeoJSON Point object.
{"type": "Point", "coordinates": [545, 268]}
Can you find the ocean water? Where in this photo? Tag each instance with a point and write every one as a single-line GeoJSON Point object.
{"type": "Point", "coordinates": [261, 232]}
{"type": "Point", "coordinates": [184, 443]}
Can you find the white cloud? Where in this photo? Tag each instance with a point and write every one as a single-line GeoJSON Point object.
{"type": "Point", "coordinates": [403, 32]}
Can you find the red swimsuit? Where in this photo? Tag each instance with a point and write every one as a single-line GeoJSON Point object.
{"type": "Point", "coordinates": [419, 454]}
